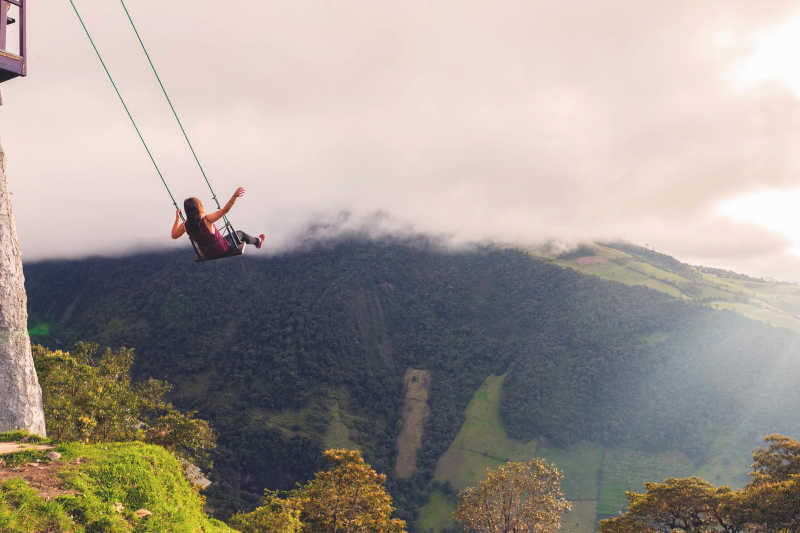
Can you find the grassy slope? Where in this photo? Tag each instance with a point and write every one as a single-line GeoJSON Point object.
{"type": "Point", "coordinates": [482, 443]}
{"type": "Point", "coordinates": [771, 302]}
{"type": "Point", "coordinates": [595, 478]}
{"type": "Point", "coordinates": [328, 417]}
{"type": "Point", "coordinates": [436, 514]}
{"type": "Point", "coordinates": [135, 475]}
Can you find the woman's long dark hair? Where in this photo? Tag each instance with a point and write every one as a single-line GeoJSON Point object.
{"type": "Point", "coordinates": [192, 207]}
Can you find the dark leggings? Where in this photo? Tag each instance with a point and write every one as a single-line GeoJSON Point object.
{"type": "Point", "coordinates": [244, 237]}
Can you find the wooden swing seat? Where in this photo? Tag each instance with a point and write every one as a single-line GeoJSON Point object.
{"type": "Point", "coordinates": [232, 252]}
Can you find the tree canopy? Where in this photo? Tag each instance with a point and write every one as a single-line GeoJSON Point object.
{"type": "Point", "coordinates": [770, 502]}
{"type": "Point", "coordinates": [89, 396]}
{"type": "Point", "coordinates": [514, 498]}
{"type": "Point", "coordinates": [346, 497]}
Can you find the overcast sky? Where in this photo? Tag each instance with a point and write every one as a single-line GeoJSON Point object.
{"type": "Point", "coordinates": [672, 124]}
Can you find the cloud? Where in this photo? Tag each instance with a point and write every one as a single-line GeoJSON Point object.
{"type": "Point", "coordinates": [517, 121]}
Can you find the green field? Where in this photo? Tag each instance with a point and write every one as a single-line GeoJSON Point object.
{"type": "Point", "coordinates": [771, 302]}
{"type": "Point", "coordinates": [581, 466]}
{"type": "Point", "coordinates": [482, 442]}
{"type": "Point", "coordinates": [595, 478]}
{"type": "Point", "coordinates": [338, 434]}
{"type": "Point", "coordinates": [581, 519]}
{"type": "Point", "coordinates": [436, 514]}
{"type": "Point", "coordinates": [326, 416]}
{"type": "Point", "coordinates": [728, 460]}
{"type": "Point", "coordinates": [628, 470]}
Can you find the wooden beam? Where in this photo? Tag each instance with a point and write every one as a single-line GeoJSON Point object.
{"type": "Point", "coordinates": [3, 23]}
{"type": "Point", "coordinates": [9, 55]}
{"type": "Point", "coordinates": [23, 37]}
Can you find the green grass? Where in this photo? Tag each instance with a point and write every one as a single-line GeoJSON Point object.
{"type": "Point", "coordinates": [762, 313]}
{"type": "Point", "coordinates": [775, 303]}
{"type": "Point", "coordinates": [729, 458]}
{"type": "Point", "coordinates": [24, 457]}
{"type": "Point", "coordinates": [581, 519]}
{"type": "Point", "coordinates": [437, 513]}
{"type": "Point", "coordinates": [481, 442]}
{"type": "Point", "coordinates": [611, 253]}
{"type": "Point", "coordinates": [617, 270]}
{"type": "Point", "coordinates": [22, 510]}
{"type": "Point", "coordinates": [326, 417]}
{"type": "Point", "coordinates": [628, 470]}
{"type": "Point", "coordinates": [23, 436]}
{"type": "Point", "coordinates": [338, 434]}
{"type": "Point", "coordinates": [135, 475]}
{"type": "Point", "coordinates": [595, 477]}
{"type": "Point", "coordinates": [580, 464]}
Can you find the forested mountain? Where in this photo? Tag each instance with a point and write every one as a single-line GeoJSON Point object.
{"type": "Point", "coordinates": [334, 345]}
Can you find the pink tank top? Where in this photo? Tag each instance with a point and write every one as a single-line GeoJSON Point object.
{"type": "Point", "coordinates": [209, 244]}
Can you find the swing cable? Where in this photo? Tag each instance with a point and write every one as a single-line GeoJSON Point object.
{"type": "Point", "coordinates": [125, 106]}
{"type": "Point", "coordinates": [228, 225]}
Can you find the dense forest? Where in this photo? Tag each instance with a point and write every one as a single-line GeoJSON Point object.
{"type": "Point", "coordinates": [246, 339]}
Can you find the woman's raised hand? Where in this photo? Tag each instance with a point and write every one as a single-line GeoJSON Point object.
{"type": "Point", "coordinates": [239, 192]}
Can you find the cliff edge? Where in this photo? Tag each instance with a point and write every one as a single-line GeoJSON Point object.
{"type": "Point", "coordinates": [20, 394]}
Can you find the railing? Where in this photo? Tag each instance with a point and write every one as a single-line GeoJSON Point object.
{"type": "Point", "coordinates": [13, 64]}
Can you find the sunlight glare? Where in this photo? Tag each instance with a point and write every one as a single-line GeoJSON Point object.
{"type": "Point", "coordinates": [774, 209]}
{"type": "Point", "coordinates": [774, 58]}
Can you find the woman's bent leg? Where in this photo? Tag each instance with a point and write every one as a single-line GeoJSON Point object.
{"type": "Point", "coordinates": [244, 237]}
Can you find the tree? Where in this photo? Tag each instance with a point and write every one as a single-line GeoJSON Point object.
{"type": "Point", "coordinates": [348, 497]}
{"type": "Point", "coordinates": [770, 502]}
{"type": "Point", "coordinates": [89, 397]}
{"type": "Point", "coordinates": [674, 504]}
{"type": "Point", "coordinates": [275, 515]}
{"type": "Point", "coordinates": [514, 498]}
{"type": "Point", "coordinates": [687, 504]}
{"type": "Point", "coordinates": [774, 506]}
{"type": "Point", "coordinates": [779, 461]}
{"type": "Point", "coordinates": [624, 524]}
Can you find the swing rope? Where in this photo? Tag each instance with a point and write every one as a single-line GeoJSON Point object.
{"type": "Point", "coordinates": [169, 101]}
{"type": "Point", "coordinates": [125, 106]}
{"type": "Point", "coordinates": [228, 225]}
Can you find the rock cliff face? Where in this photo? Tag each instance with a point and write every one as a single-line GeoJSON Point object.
{"type": "Point", "coordinates": [20, 395]}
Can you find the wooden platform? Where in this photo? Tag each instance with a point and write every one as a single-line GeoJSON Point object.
{"type": "Point", "coordinates": [11, 66]}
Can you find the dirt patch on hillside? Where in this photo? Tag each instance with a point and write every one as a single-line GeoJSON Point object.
{"type": "Point", "coordinates": [44, 477]}
{"type": "Point", "coordinates": [415, 410]}
{"type": "Point", "coordinates": [14, 447]}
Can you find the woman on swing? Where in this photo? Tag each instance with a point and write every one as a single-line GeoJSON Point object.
{"type": "Point", "coordinates": [200, 227]}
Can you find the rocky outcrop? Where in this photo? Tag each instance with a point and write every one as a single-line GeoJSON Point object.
{"type": "Point", "coordinates": [20, 395]}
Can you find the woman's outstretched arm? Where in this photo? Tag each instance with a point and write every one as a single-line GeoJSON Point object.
{"type": "Point", "coordinates": [216, 215]}
{"type": "Point", "coordinates": [178, 227]}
